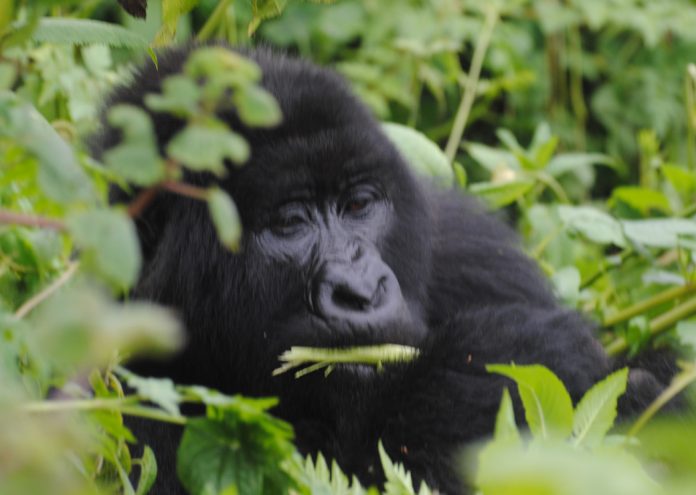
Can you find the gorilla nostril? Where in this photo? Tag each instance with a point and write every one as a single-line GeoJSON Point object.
{"type": "Point", "coordinates": [347, 298]}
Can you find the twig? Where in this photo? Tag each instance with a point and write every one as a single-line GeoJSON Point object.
{"type": "Point", "coordinates": [141, 201]}
{"type": "Point", "coordinates": [184, 189]}
{"type": "Point", "coordinates": [40, 297]}
{"type": "Point", "coordinates": [471, 83]}
{"type": "Point", "coordinates": [647, 304]}
{"type": "Point", "coordinates": [680, 382]}
{"type": "Point", "coordinates": [14, 218]}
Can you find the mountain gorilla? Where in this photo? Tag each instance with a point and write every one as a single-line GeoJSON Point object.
{"type": "Point", "coordinates": [344, 246]}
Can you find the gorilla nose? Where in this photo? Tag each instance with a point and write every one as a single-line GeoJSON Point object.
{"type": "Point", "coordinates": [357, 296]}
{"type": "Point", "coordinates": [360, 296]}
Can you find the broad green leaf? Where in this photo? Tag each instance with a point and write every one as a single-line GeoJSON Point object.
{"type": "Point", "coordinates": [491, 158]}
{"type": "Point", "coordinates": [642, 199]}
{"type": "Point", "coordinates": [545, 152]}
{"type": "Point", "coordinates": [86, 32]}
{"type": "Point", "coordinates": [225, 217]}
{"type": "Point", "coordinates": [686, 331]}
{"type": "Point", "coordinates": [136, 158]}
{"type": "Point", "coordinates": [505, 424]}
{"type": "Point", "coordinates": [566, 281]}
{"type": "Point", "coordinates": [262, 10]}
{"type": "Point", "coordinates": [547, 405]}
{"type": "Point", "coordinates": [8, 74]}
{"type": "Point", "coordinates": [503, 193]}
{"type": "Point", "coordinates": [160, 391]}
{"type": "Point", "coordinates": [256, 106]}
{"type": "Point", "coordinates": [206, 147]}
{"type": "Point", "coordinates": [424, 156]}
{"type": "Point", "coordinates": [241, 450]}
{"type": "Point", "coordinates": [570, 162]}
{"type": "Point", "coordinates": [213, 61]}
{"type": "Point", "coordinates": [596, 411]}
{"type": "Point", "coordinates": [60, 176]}
{"type": "Point", "coordinates": [148, 471]}
{"type": "Point", "coordinates": [179, 96]}
{"type": "Point", "coordinates": [108, 244]}
{"type": "Point", "coordinates": [593, 224]}
{"type": "Point", "coordinates": [172, 10]}
{"type": "Point", "coordinates": [660, 233]}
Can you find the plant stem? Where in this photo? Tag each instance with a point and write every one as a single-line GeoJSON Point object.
{"type": "Point", "coordinates": [680, 382]}
{"type": "Point", "coordinates": [663, 322]}
{"type": "Point", "coordinates": [184, 189]}
{"type": "Point", "coordinates": [14, 218]}
{"type": "Point", "coordinates": [126, 405]}
{"type": "Point", "coordinates": [37, 299]}
{"type": "Point", "coordinates": [603, 270]}
{"type": "Point", "coordinates": [467, 102]}
{"type": "Point", "coordinates": [213, 22]}
{"type": "Point", "coordinates": [648, 304]}
{"type": "Point", "coordinates": [141, 201]}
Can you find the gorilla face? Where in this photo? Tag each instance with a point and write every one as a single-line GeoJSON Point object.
{"type": "Point", "coordinates": [324, 209]}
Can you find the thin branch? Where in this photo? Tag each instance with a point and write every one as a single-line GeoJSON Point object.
{"type": "Point", "coordinates": [648, 304]}
{"type": "Point", "coordinates": [142, 200]}
{"type": "Point", "coordinates": [471, 83]}
{"type": "Point", "coordinates": [680, 382]}
{"type": "Point", "coordinates": [663, 322]}
{"type": "Point", "coordinates": [184, 189]}
{"type": "Point", "coordinates": [40, 297]}
{"type": "Point", "coordinates": [14, 218]}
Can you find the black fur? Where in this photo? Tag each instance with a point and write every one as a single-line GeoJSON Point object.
{"type": "Point", "coordinates": [480, 299]}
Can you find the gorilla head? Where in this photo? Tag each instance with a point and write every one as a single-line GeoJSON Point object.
{"type": "Point", "coordinates": [343, 246]}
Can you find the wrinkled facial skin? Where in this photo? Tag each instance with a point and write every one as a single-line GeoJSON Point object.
{"type": "Point", "coordinates": [329, 227]}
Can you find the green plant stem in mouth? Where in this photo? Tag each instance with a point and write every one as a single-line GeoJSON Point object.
{"type": "Point", "coordinates": [317, 358]}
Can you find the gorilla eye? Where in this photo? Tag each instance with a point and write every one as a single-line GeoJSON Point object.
{"type": "Point", "coordinates": [289, 220]}
{"type": "Point", "coordinates": [358, 204]}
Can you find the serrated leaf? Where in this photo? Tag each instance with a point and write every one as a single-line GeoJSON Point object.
{"type": "Point", "coordinates": [108, 244]}
{"type": "Point", "coordinates": [225, 217]}
{"type": "Point", "coordinates": [204, 147]}
{"type": "Point", "coordinates": [505, 424]}
{"type": "Point", "coordinates": [547, 404]}
{"type": "Point", "coordinates": [596, 411]}
{"type": "Point", "coordinates": [160, 391]}
{"type": "Point", "coordinates": [172, 10]}
{"type": "Point", "coordinates": [262, 10]}
{"type": "Point", "coordinates": [424, 156]}
{"type": "Point", "coordinates": [237, 451]}
{"type": "Point", "coordinates": [60, 176]}
{"type": "Point", "coordinates": [179, 97]}
{"type": "Point", "coordinates": [85, 32]}
{"type": "Point", "coordinates": [593, 224]}
{"type": "Point", "coordinates": [660, 233]}
{"type": "Point", "coordinates": [256, 106]}
{"type": "Point", "coordinates": [148, 471]}
{"type": "Point", "coordinates": [501, 194]}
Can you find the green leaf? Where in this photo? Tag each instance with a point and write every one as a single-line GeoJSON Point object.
{"type": "Point", "coordinates": [205, 147]}
{"type": "Point", "coordinates": [424, 156]}
{"type": "Point", "coordinates": [593, 224]}
{"type": "Point", "coordinates": [505, 424]}
{"type": "Point", "coordinates": [179, 97]}
{"type": "Point", "coordinates": [264, 9]}
{"type": "Point", "coordinates": [160, 391]}
{"type": "Point", "coordinates": [136, 158]}
{"type": "Point", "coordinates": [659, 233]}
{"type": "Point", "coordinates": [492, 159]}
{"type": "Point", "coordinates": [642, 199]}
{"type": "Point", "coordinates": [547, 405]}
{"type": "Point", "coordinates": [225, 217]}
{"type": "Point", "coordinates": [256, 106]}
{"type": "Point", "coordinates": [60, 176]}
{"type": "Point", "coordinates": [242, 451]}
{"type": "Point", "coordinates": [397, 479]}
{"type": "Point", "coordinates": [502, 193]}
{"type": "Point", "coordinates": [596, 411]}
{"type": "Point", "coordinates": [172, 10]}
{"type": "Point", "coordinates": [108, 244]}
{"type": "Point", "coordinates": [148, 471]}
{"type": "Point", "coordinates": [85, 32]}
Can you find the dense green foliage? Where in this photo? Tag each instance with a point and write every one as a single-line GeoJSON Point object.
{"type": "Point", "coordinates": [576, 119]}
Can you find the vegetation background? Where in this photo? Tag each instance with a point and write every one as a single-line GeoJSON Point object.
{"type": "Point", "coordinates": [575, 119]}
